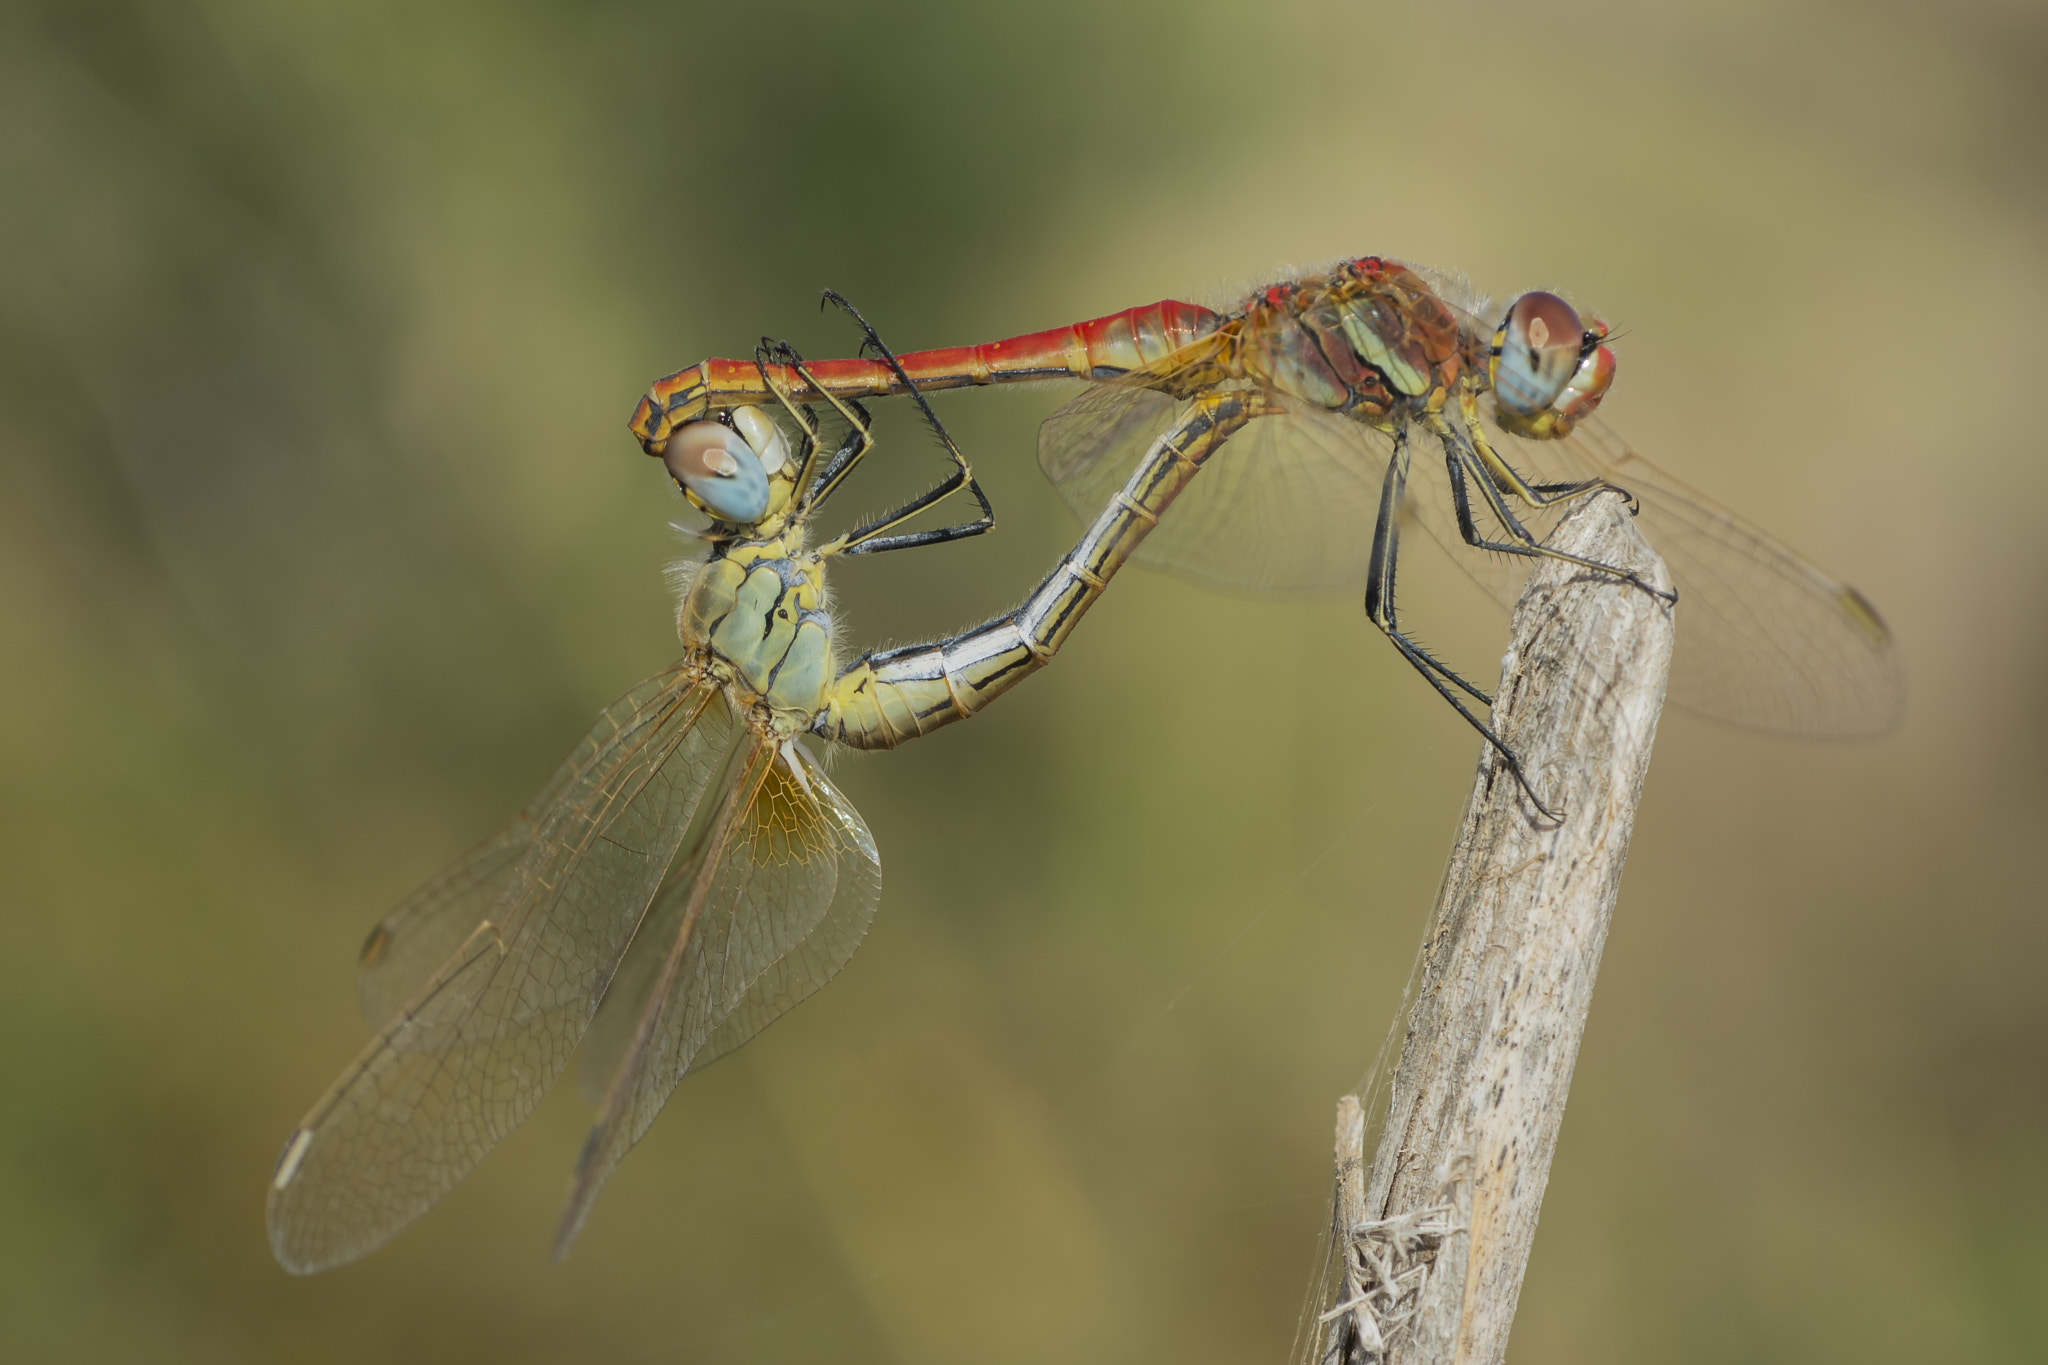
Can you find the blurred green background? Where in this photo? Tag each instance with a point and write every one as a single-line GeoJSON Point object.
{"type": "Point", "coordinates": [321, 540]}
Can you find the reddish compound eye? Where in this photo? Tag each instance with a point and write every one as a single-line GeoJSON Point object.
{"type": "Point", "coordinates": [1588, 387]}
{"type": "Point", "coordinates": [1536, 352]}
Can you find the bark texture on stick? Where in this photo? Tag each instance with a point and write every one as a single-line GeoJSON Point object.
{"type": "Point", "coordinates": [1435, 1237]}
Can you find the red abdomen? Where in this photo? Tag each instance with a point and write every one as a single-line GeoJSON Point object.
{"type": "Point", "coordinates": [1096, 349]}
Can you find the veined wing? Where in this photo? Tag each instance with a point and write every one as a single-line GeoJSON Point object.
{"type": "Point", "coordinates": [794, 973]}
{"type": "Point", "coordinates": [487, 1028]}
{"type": "Point", "coordinates": [769, 895]}
{"type": "Point", "coordinates": [1288, 503]}
{"type": "Point", "coordinates": [413, 941]}
{"type": "Point", "coordinates": [1766, 640]}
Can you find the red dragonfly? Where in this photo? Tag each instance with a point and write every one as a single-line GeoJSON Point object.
{"type": "Point", "coordinates": [1348, 371]}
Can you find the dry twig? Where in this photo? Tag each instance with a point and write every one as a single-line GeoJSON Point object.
{"type": "Point", "coordinates": [1434, 1239]}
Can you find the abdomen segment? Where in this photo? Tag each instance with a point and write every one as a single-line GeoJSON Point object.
{"type": "Point", "coordinates": [1096, 349]}
{"type": "Point", "coordinates": [884, 699]}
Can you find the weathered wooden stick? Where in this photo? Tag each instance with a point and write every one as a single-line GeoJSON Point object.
{"type": "Point", "coordinates": [1433, 1241]}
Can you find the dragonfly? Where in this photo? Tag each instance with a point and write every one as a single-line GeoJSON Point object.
{"type": "Point", "coordinates": [1329, 384]}
{"type": "Point", "coordinates": [689, 874]}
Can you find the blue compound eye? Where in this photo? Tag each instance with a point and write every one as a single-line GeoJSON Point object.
{"type": "Point", "coordinates": [719, 470]}
{"type": "Point", "coordinates": [1536, 352]}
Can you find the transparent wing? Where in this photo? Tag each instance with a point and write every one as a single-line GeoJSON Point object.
{"type": "Point", "coordinates": [489, 1028]}
{"type": "Point", "coordinates": [758, 912]}
{"type": "Point", "coordinates": [1766, 640]}
{"type": "Point", "coordinates": [406, 948]}
{"type": "Point", "coordinates": [411, 942]}
{"type": "Point", "coordinates": [1288, 503]}
{"type": "Point", "coordinates": [814, 958]}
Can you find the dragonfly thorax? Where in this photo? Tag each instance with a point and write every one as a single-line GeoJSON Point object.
{"type": "Point", "coordinates": [1368, 339]}
{"type": "Point", "coordinates": [756, 612]}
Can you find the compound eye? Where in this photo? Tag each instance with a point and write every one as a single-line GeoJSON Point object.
{"type": "Point", "coordinates": [717, 467]}
{"type": "Point", "coordinates": [1536, 352]}
{"type": "Point", "coordinates": [764, 436]}
{"type": "Point", "coordinates": [1588, 387]}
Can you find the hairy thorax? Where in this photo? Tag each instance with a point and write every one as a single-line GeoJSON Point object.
{"type": "Point", "coordinates": [757, 613]}
{"type": "Point", "coordinates": [1369, 340]}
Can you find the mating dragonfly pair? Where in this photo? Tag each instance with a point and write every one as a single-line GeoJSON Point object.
{"type": "Point", "coordinates": [690, 874]}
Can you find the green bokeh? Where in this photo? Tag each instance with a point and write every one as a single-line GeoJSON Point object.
{"type": "Point", "coordinates": [321, 540]}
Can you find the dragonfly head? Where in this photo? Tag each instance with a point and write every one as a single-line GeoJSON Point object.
{"type": "Point", "coordinates": [1547, 368]}
{"type": "Point", "coordinates": [735, 470]}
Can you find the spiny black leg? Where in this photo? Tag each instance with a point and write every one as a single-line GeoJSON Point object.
{"type": "Point", "coordinates": [1428, 668]}
{"type": "Point", "coordinates": [1379, 607]}
{"type": "Point", "coordinates": [1386, 536]}
{"type": "Point", "coordinates": [858, 440]}
{"type": "Point", "coordinates": [870, 539]}
{"type": "Point", "coordinates": [1385, 561]}
{"type": "Point", "coordinates": [768, 351]}
{"type": "Point", "coordinates": [1504, 477]}
{"type": "Point", "coordinates": [850, 449]}
{"type": "Point", "coordinates": [1461, 458]}
{"type": "Point", "coordinates": [813, 490]}
{"type": "Point", "coordinates": [1563, 492]}
{"type": "Point", "coordinates": [781, 353]}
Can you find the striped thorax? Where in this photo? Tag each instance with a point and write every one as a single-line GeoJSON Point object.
{"type": "Point", "coordinates": [756, 612]}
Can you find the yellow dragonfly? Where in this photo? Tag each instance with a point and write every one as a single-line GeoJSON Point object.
{"type": "Point", "coordinates": [689, 874]}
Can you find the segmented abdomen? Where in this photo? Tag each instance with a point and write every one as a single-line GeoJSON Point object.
{"type": "Point", "coordinates": [1096, 349]}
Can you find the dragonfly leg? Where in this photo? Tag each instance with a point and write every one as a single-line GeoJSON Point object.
{"type": "Point", "coordinates": [886, 697]}
{"type": "Point", "coordinates": [1462, 459]}
{"type": "Point", "coordinates": [771, 356]}
{"type": "Point", "coordinates": [1379, 607]}
{"type": "Point", "coordinates": [873, 538]}
{"type": "Point", "coordinates": [1508, 479]}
